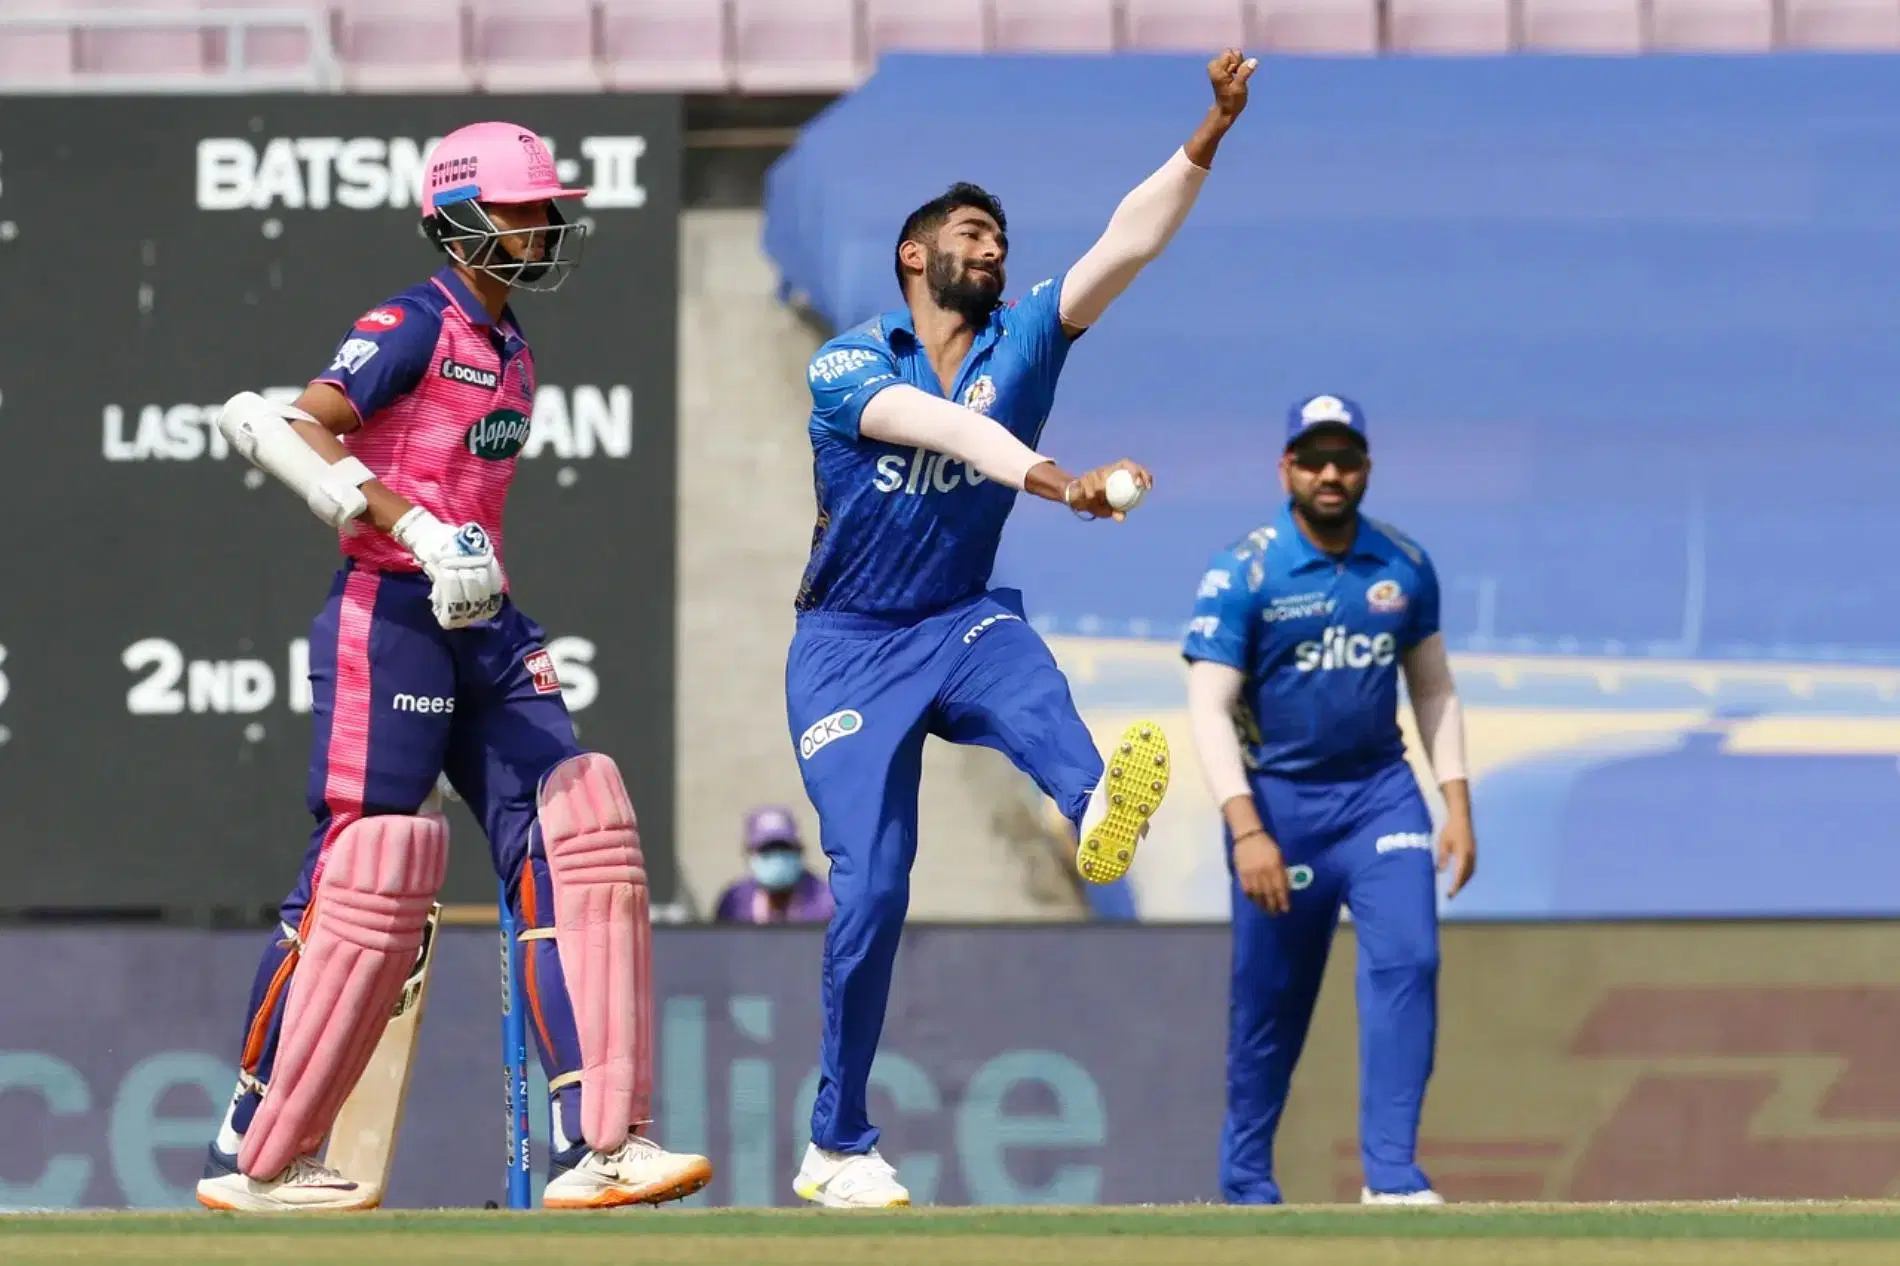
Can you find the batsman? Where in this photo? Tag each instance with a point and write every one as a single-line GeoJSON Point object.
{"type": "Point", "coordinates": [421, 665]}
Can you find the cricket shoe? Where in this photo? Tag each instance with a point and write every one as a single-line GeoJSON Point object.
{"type": "Point", "coordinates": [1116, 820]}
{"type": "Point", "coordinates": [843, 1180]}
{"type": "Point", "coordinates": [305, 1186]}
{"type": "Point", "coordinates": [639, 1171]}
{"type": "Point", "coordinates": [1368, 1196]}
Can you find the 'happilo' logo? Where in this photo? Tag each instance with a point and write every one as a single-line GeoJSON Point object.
{"type": "Point", "coordinates": [836, 726]}
{"type": "Point", "coordinates": [499, 436]}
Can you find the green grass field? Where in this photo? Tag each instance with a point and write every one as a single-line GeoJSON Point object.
{"type": "Point", "coordinates": [1742, 1234]}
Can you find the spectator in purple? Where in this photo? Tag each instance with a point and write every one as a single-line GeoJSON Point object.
{"type": "Point", "coordinates": [781, 889]}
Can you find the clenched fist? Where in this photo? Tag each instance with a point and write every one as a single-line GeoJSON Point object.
{"type": "Point", "coordinates": [466, 580]}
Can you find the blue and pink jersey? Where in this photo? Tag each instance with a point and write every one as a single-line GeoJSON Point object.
{"type": "Point", "coordinates": [445, 394]}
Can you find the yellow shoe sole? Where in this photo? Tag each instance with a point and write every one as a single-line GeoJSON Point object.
{"type": "Point", "coordinates": [1136, 780]}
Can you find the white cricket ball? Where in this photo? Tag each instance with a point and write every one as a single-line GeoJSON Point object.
{"type": "Point", "coordinates": [1123, 491]}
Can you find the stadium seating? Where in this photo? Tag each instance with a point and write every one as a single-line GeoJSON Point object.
{"type": "Point", "coordinates": [831, 45]}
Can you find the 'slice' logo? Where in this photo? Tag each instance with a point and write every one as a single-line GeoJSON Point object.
{"type": "Point", "coordinates": [836, 726]}
{"type": "Point", "coordinates": [499, 436]}
{"type": "Point", "coordinates": [1299, 877]}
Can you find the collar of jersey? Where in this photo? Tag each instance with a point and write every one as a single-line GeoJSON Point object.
{"type": "Point", "coordinates": [1368, 542]}
{"type": "Point", "coordinates": [466, 300]}
{"type": "Point", "coordinates": [897, 321]}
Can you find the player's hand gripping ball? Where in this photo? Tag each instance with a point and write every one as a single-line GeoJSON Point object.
{"type": "Point", "coordinates": [1229, 74]}
{"type": "Point", "coordinates": [1123, 491]}
{"type": "Point", "coordinates": [1109, 492]}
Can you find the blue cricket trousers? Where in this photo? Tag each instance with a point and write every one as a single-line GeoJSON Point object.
{"type": "Point", "coordinates": [862, 693]}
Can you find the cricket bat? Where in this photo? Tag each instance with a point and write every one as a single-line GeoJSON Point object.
{"type": "Point", "coordinates": [362, 1143]}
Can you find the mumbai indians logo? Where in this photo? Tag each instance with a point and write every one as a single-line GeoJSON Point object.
{"type": "Point", "coordinates": [980, 395]}
{"type": "Point", "coordinates": [836, 726]}
{"type": "Point", "coordinates": [1386, 597]}
{"type": "Point", "coordinates": [499, 436]}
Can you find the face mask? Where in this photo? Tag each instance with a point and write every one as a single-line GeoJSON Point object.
{"type": "Point", "coordinates": [777, 869]}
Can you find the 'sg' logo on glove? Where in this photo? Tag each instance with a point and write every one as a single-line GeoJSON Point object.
{"type": "Point", "coordinates": [471, 540]}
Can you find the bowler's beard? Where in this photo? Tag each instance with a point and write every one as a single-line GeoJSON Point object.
{"type": "Point", "coordinates": [971, 294]}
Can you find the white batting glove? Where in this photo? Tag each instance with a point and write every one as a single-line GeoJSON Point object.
{"type": "Point", "coordinates": [460, 562]}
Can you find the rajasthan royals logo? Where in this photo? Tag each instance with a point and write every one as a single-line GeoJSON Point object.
{"type": "Point", "coordinates": [1385, 597]}
{"type": "Point", "coordinates": [540, 165]}
{"type": "Point", "coordinates": [980, 395]}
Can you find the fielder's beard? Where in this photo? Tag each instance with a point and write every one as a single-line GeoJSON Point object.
{"type": "Point", "coordinates": [1329, 519]}
{"type": "Point", "coordinates": [971, 295]}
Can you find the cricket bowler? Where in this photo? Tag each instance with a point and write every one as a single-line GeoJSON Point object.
{"type": "Point", "coordinates": [420, 665]}
{"type": "Point", "coordinates": [1300, 634]}
{"type": "Point", "coordinates": [924, 427]}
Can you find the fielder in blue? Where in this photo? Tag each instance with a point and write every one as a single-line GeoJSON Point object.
{"type": "Point", "coordinates": [923, 428]}
{"type": "Point", "coordinates": [1300, 634]}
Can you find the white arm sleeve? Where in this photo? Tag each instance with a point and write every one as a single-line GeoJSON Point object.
{"type": "Point", "coordinates": [905, 415]}
{"type": "Point", "coordinates": [1441, 718]}
{"type": "Point", "coordinates": [261, 433]}
{"type": "Point", "coordinates": [1141, 227]}
{"type": "Point", "coordinates": [1213, 690]}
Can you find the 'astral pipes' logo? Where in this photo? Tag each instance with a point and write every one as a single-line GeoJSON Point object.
{"type": "Point", "coordinates": [499, 436]}
{"type": "Point", "coordinates": [836, 726]}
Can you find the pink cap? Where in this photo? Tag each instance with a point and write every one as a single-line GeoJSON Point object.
{"type": "Point", "coordinates": [491, 162]}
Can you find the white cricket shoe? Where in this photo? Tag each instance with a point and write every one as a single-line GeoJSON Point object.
{"type": "Point", "coordinates": [639, 1171]}
{"type": "Point", "coordinates": [1368, 1196]}
{"type": "Point", "coordinates": [305, 1186]}
{"type": "Point", "coordinates": [843, 1180]}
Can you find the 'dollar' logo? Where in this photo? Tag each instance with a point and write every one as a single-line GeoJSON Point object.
{"type": "Point", "coordinates": [499, 436]}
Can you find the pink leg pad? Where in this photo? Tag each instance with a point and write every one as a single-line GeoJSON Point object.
{"type": "Point", "coordinates": [379, 880]}
{"type": "Point", "coordinates": [605, 940]}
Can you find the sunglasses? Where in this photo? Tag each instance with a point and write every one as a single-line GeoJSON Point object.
{"type": "Point", "coordinates": [1348, 460]}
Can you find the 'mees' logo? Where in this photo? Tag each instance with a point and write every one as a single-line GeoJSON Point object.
{"type": "Point", "coordinates": [836, 726]}
{"type": "Point", "coordinates": [499, 436]}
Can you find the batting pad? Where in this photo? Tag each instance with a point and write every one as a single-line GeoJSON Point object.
{"type": "Point", "coordinates": [380, 879]}
{"type": "Point", "coordinates": [605, 941]}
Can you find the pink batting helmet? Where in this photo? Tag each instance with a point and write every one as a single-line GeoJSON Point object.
{"type": "Point", "coordinates": [491, 162]}
{"type": "Point", "coordinates": [498, 164]}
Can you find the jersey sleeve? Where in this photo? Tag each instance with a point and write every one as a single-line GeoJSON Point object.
{"type": "Point", "coordinates": [1424, 607]}
{"type": "Point", "coordinates": [1035, 326]}
{"type": "Point", "coordinates": [844, 376]}
{"type": "Point", "coordinates": [383, 356]}
{"type": "Point", "coordinates": [1218, 630]}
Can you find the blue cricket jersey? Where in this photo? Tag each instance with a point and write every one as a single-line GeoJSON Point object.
{"type": "Point", "coordinates": [904, 532]}
{"type": "Point", "coordinates": [1319, 639]}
